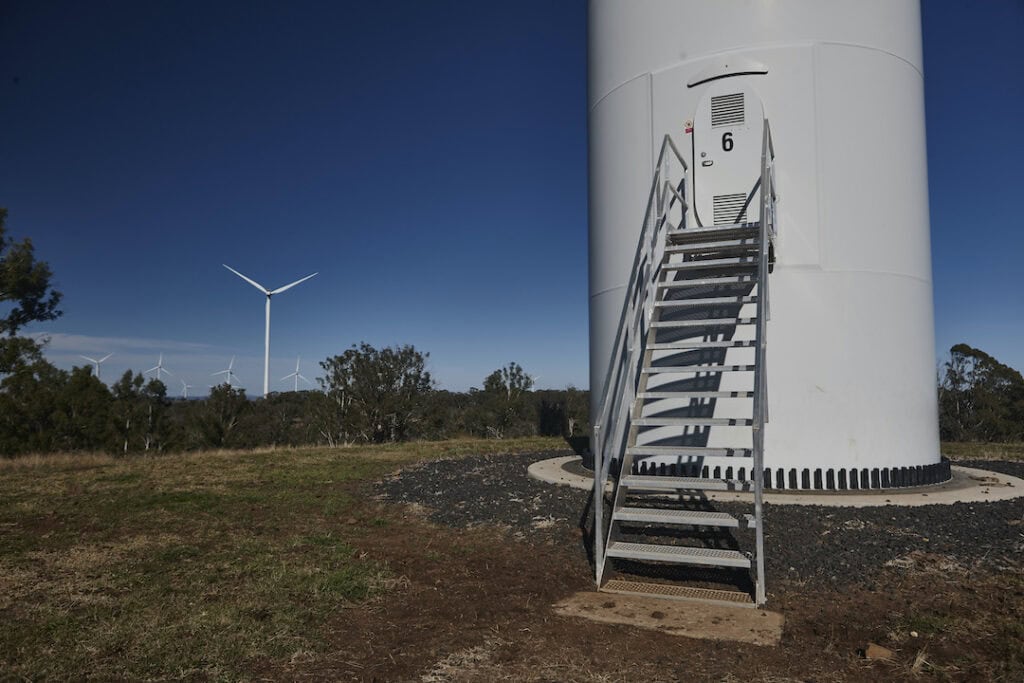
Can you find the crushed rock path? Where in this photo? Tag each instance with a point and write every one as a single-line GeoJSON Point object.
{"type": "Point", "coordinates": [808, 544]}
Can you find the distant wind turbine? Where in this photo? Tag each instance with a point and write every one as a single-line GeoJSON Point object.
{"type": "Point", "coordinates": [184, 388]}
{"type": "Point", "coordinates": [269, 293]}
{"type": "Point", "coordinates": [159, 367]}
{"type": "Point", "coordinates": [296, 375]}
{"type": "Point", "coordinates": [230, 372]}
{"type": "Point", "coordinates": [97, 362]}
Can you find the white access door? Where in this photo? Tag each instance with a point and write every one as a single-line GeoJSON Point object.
{"type": "Point", "coordinates": [726, 138]}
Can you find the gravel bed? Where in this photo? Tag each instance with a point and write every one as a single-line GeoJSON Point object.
{"type": "Point", "coordinates": [490, 490]}
{"type": "Point", "coordinates": [1013, 468]}
{"type": "Point", "coordinates": [808, 544]}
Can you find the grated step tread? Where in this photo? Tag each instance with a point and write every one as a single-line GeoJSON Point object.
{"type": "Point", "coordinates": [685, 517]}
{"type": "Point", "coordinates": [714, 233]}
{"type": "Point", "coordinates": [702, 451]}
{"type": "Point", "coordinates": [706, 282]}
{"type": "Point", "coordinates": [707, 301]}
{"type": "Point", "coordinates": [703, 322]}
{"type": "Point", "coordinates": [683, 344]}
{"type": "Point", "coordinates": [730, 246]}
{"type": "Point", "coordinates": [695, 421]}
{"type": "Point", "coordinates": [681, 369]}
{"type": "Point", "coordinates": [640, 481]}
{"type": "Point", "coordinates": [660, 395]}
{"type": "Point", "coordinates": [702, 264]}
{"type": "Point", "coordinates": [678, 554]}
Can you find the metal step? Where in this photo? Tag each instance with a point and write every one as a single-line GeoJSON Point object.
{"type": "Point", "coordinates": [677, 554]}
{"type": "Point", "coordinates": [710, 301]}
{"type": "Point", "coordinates": [705, 282]}
{"type": "Point", "coordinates": [674, 592]}
{"type": "Point", "coordinates": [695, 393]}
{"type": "Point", "coordinates": [684, 344]}
{"type": "Point", "coordinates": [687, 517]}
{"type": "Point", "coordinates": [695, 451]}
{"type": "Point", "coordinates": [706, 322]}
{"type": "Point", "coordinates": [713, 263]}
{"type": "Point", "coordinates": [681, 369]}
{"type": "Point", "coordinates": [655, 483]}
{"type": "Point", "coordinates": [714, 233]}
{"type": "Point", "coordinates": [725, 246]}
{"type": "Point", "coordinates": [692, 421]}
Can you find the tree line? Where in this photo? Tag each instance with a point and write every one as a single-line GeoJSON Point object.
{"type": "Point", "coordinates": [367, 395]}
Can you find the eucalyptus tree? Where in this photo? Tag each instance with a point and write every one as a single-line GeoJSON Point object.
{"type": "Point", "coordinates": [25, 286]}
{"type": "Point", "coordinates": [378, 395]}
{"type": "Point", "coordinates": [505, 402]}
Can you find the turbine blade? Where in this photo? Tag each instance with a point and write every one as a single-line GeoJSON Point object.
{"type": "Point", "coordinates": [251, 282]}
{"type": "Point", "coordinates": [297, 282]}
{"type": "Point", "coordinates": [154, 368]}
{"type": "Point", "coordinates": [288, 376]}
{"type": "Point", "coordinates": [105, 357]}
{"type": "Point", "coordinates": [91, 360]}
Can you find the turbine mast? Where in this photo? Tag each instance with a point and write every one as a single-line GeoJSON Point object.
{"type": "Point", "coordinates": [266, 351]}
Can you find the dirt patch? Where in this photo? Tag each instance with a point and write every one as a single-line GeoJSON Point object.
{"type": "Point", "coordinates": [476, 606]}
{"type": "Point", "coordinates": [693, 620]}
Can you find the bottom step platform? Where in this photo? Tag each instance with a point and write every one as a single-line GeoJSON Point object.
{"type": "Point", "coordinates": [670, 592]}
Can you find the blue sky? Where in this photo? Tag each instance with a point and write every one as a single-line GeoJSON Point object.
{"type": "Point", "coordinates": [428, 159]}
{"type": "Point", "coordinates": [974, 99]}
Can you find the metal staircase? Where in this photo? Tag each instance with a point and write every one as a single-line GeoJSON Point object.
{"type": "Point", "coordinates": [685, 401]}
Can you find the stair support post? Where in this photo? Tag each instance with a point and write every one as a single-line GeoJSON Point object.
{"type": "Point", "coordinates": [598, 506]}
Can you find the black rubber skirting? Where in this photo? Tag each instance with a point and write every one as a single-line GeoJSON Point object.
{"type": "Point", "coordinates": [818, 479]}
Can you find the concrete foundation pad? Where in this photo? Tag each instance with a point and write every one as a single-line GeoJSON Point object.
{"type": "Point", "coordinates": [966, 486]}
{"type": "Point", "coordinates": [688, 619]}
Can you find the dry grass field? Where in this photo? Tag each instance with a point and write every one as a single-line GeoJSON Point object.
{"type": "Point", "coordinates": [285, 565]}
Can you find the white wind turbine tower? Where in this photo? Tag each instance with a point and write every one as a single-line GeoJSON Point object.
{"type": "Point", "coordinates": [269, 293]}
{"type": "Point", "coordinates": [230, 372]}
{"type": "Point", "coordinates": [97, 362]}
{"type": "Point", "coordinates": [184, 389]}
{"type": "Point", "coordinates": [296, 375]}
{"type": "Point", "coordinates": [159, 367]}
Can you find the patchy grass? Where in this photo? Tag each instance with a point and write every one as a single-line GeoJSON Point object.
{"type": "Point", "coordinates": [962, 627]}
{"type": "Point", "coordinates": [277, 565]}
{"type": "Point", "coordinates": [983, 451]}
{"type": "Point", "coordinates": [208, 565]}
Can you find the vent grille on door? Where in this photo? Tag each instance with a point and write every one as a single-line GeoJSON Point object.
{"type": "Point", "coordinates": [727, 110]}
{"type": "Point", "coordinates": [730, 208]}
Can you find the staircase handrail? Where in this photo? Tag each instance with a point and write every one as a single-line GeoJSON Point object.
{"type": "Point", "coordinates": [767, 240]}
{"type": "Point", "coordinates": [620, 379]}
